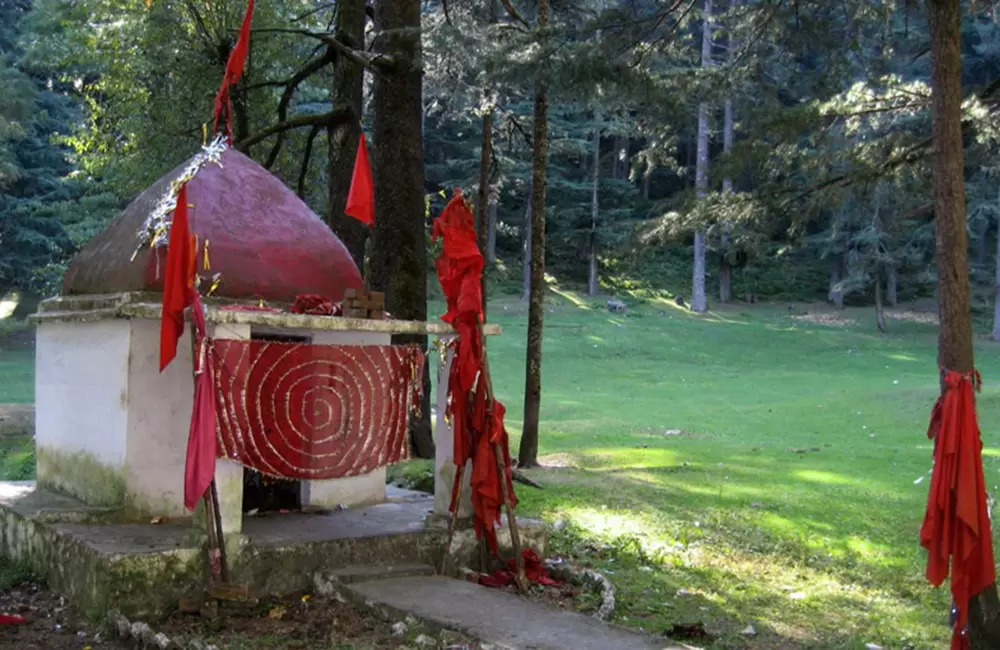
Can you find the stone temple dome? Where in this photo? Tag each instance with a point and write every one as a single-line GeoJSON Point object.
{"type": "Point", "coordinates": [264, 241]}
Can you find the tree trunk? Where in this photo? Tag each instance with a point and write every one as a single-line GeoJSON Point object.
{"type": "Point", "coordinates": [528, 220]}
{"type": "Point", "coordinates": [595, 206]}
{"type": "Point", "coordinates": [879, 307]}
{"type": "Point", "coordinates": [621, 157]}
{"type": "Point", "coordinates": [348, 93]}
{"type": "Point", "coordinates": [528, 451]}
{"type": "Point", "coordinates": [836, 294]}
{"type": "Point", "coordinates": [725, 267]}
{"type": "Point", "coordinates": [955, 342]}
{"type": "Point", "coordinates": [483, 203]}
{"type": "Point", "coordinates": [982, 241]}
{"type": "Point", "coordinates": [399, 257]}
{"type": "Point", "coordinates": [892, 286]}
{"type": "Point", "coordinates": [491, 228]}
{"type": "Point", "coordinates": [996, 289]}
{"type": "Point", "coordinates": [699, 299]}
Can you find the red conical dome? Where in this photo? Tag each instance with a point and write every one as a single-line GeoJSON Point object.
{"type": "Point", "coordinates": [264, 241]}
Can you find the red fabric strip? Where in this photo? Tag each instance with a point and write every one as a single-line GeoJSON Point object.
{"type": "Point", "coordinates": [361, 198]}
{"type": "Point", "coordinates": [177, 281]}
{"type": "Point", "coordinates": [956, 528]}
{"type": "Point", "coordinates": [234, 72]}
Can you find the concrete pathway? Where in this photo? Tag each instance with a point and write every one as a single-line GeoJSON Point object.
{"type": "Point", "coordinates": [498, 617]}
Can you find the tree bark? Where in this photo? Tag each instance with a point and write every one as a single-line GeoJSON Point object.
{"type": "Point", "coordinates": [399, 256]}
{"type": "Point", "coordinates": [528, 451]}
{"type": "Point", "coordinates": [342, 139]}
{"type": "Point", "coordinates": [996, 289]}
{"type": "Point", "coordinates": [491, 228]}
{"type": "Point", "coordinates": [483, 200]}
{"type": "Point", "coordinates": [699, 299]}
{"type": "Point", "coordinates": [526, 258]}
{"type": "Point", "coordinates": [955, 342]}
{"type": "Point", "coordinates": [879, 306]}
{"type": "Point", "coordinates": [621, 158]}
{"type": "Point", "coordinates": [836, 295]}
{"type": "Point", "coordinates": [892, 286]}
{"type": "Point", "coordinates": [725, 267]}
{"type": "Point", "coordinates": [595, 205]}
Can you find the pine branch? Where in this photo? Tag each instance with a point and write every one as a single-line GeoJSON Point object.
{"type": "Point", "coordinates": [328, 120]}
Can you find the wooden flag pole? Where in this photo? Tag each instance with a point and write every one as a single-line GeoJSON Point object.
{"type": "Point", "coordinates": [453, 522]}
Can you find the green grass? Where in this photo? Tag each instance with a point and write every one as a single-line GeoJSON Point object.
{"type": "Point", "coordinates": [17, 375]}
{"type": "Point", "coordinates": [815, 549]}
{"type": "Point", "coordinates": [17, 458]}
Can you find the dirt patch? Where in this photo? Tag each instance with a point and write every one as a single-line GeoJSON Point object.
{"type": "Point", "coordinates": [51, 624]}
{"type": "Point", "coordinates": [826, 319]}
{"type": "Point", "coordinates": [922, 317]}
{"type": "Point", "coordinates": [304, 622]}
{"type": "Point", "coordinates": [558, 461]}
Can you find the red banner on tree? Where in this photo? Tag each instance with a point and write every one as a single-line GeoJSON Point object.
{"type": "Point", "coordinates": [304, 411]}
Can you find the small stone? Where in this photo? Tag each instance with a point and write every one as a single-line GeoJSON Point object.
{"type": "Point", "coordinates": [196, 644]}
{"type": "Point", "coordinates": [684, 592]}
{"type": "Point", "coordinates": [750, 630]}
{"type": "Point", "coordinates": [400, 628]}
{"type": "Point", "coordinates": [142, 633]}
{"type": "Point", "coordinates": [161, 641]}
{"type": "Point", "coordinates": [424, 641]}
{"type": "Point", "coordinates": [798, 595]}
{"type": "Point", "coordinates": [872, 646]}
{"type": "Point", "coordinates": [452, 639]}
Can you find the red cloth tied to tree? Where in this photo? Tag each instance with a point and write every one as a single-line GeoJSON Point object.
{"type": "Point", "coordinates": [956, 528]}
{"type": "Point", "coordinates": [477, 418]}
{"type": "Point", "coordinates": [234, 72]}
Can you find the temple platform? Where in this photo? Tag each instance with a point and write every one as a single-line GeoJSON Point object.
{"type": "Point", "coordinates": [144, 569]}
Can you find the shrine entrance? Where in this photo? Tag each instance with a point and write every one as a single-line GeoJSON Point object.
{"type": "Point", "coordinates": [262, 493]}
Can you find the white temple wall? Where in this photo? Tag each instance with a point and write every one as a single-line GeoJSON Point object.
{"type": "Point", "coordinates": [159, 418]}
{"type": "Point", "coordinates": [81, 408]}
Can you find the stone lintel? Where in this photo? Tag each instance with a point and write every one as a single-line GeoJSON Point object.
{"type": "Point", "coordinates": [86, 308]}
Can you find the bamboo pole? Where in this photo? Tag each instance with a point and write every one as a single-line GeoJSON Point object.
{"type": "Point", "coordinates": [459, 477]}
{"type": "Point", "coordinates": [515, 535]}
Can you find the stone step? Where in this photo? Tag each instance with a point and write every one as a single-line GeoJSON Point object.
{"type": "Point", "coordinates": [499, 617]}
{"type": "Point", "coordinates": [368, 573]}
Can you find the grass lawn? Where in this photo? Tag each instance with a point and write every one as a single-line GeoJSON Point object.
{"type": "Point", "coordinates": [17, 375]}
{"type": "Point", "coordinates": [747, 468]}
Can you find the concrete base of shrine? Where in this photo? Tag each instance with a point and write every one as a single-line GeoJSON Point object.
{"type": "Point", "coordinates": [145, 569]}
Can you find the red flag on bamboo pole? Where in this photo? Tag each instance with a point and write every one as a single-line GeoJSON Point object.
{"type": "Point", "coordinates": [199, 467]}
{"type": "Point", "coordinates": [361, 198]}
{"type": "Point", "coordinates": [234, 72]}
{"type": "Point", "coordinates": [178, 281]}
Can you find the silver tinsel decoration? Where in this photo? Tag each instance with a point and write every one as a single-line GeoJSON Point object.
{"type": "Point", "coordinates": [155, 231]}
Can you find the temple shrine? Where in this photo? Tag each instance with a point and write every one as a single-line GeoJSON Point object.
{"type": "Point", "coordinates": [112, 430]}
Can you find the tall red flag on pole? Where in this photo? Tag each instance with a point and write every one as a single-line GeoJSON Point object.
{"type": "Point", "coordinates": [178, 282]}
{"type": "Point", "coordinates": [361, 198]}
{"type": "Point", "coordinates": [234, 72]}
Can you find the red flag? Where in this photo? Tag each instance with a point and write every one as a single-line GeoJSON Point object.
{"type": "Point", "coordinates": [178, 282]}
{"type": "Point", "coordinates": [956, 527]}
{"type": "Point", "coordinates": [361, 198]}
{"type": "Point", "coordinates": [199, 468]}
{"type": "Point", "coordinates": [234, 72]}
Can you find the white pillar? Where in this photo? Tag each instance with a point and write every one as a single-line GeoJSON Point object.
{"type": "Point", "coordinates": [229, 474]}
{"type": "Point", "coordinates": [444, 445]}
